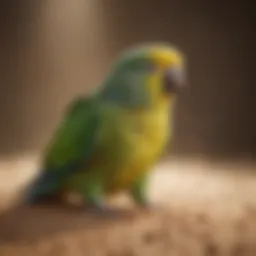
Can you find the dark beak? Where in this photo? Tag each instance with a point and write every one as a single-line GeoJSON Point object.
{"type": "Point", "coordinates": [174, 80]}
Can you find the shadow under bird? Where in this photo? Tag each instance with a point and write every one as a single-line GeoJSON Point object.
{"type": "Point", "coordinates": [109, 141]}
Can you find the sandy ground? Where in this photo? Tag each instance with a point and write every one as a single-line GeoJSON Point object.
{"type": "Point", "coordinates": [202, 209]}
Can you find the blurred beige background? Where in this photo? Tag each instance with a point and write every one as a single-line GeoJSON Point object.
{"type": "Point", "coordinates": [53, 50]}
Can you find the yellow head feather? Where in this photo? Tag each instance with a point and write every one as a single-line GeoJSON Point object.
{"type": "Point", "coordinates": [164, 57]}
{"type": "Point", "coordinates": [167, 56]}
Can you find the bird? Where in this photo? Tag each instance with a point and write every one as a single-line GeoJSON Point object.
{"type": "Point", "coordinates": [109, 140]}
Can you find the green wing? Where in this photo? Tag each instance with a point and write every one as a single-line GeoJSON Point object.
{"type": "Point", "coordinates": [74, 140]}
{"type": "Point", "coordinates": [71, 147]}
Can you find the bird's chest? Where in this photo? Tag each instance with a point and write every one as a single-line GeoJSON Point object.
{"type": "Point", "coordinates": [149, 132]}
{"type": "Point", "coordinates": [139, 139]}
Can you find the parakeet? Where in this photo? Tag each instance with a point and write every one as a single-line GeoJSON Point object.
{"type": "Point", "coordinates": [109, 141]}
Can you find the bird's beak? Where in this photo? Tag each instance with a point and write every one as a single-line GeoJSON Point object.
{"type": "Point", "coordinates": [174, 80]}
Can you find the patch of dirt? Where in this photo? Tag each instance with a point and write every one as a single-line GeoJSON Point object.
{"type": "Point", "coordinates": [204, 209]}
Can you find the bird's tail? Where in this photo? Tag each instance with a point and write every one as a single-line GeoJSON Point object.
{"type": "Point", "coordinates": [48, 183]}
{"type": "Point", "coordinates": [43, 187]}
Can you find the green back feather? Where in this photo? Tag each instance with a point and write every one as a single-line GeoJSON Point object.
{"type": "Point", "coordinates": [74, 141]}
{"type": "Point", "coordinates": [69, 150]}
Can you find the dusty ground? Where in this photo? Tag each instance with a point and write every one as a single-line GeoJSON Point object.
{"type": "Point", "coordinates": [204, 209]}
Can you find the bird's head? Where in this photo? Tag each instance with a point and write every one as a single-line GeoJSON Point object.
{"type": "Point", "coordinates": [146, 75]}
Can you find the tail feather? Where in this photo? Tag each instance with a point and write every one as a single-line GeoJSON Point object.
{"type": "Point", "coordinates": [48, 182]}
{"type": "Point", "coordinates": [45, 185]}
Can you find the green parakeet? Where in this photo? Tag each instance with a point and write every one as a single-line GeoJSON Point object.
{"type": "Point", "coordinates": [109, 141]}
